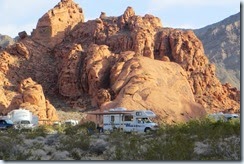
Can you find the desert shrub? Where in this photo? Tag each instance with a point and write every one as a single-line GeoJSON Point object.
{"type": "Point", "coordinates": [59, 128]}
{"type": "Point", "coordinates": [71, 130]}
{"type": "Point", "coordinates": [41, 130]}
{"type": "Point", "coordinates": [9, 147]}
{"type": "Point", "coordinates": [89, 124]}
{"type": "Point", "coordinates": [127, 146]}
{"type": "Point", "coordinates": [177, 142]}
{"type": "Point", "coordinates": [222, 149]}
{"type": "Point", "coordinates": [203, 129]}
{"type": "Point", "coordinates": [85, 128]}
{"type": "Point", "coordinates": [69, 142]}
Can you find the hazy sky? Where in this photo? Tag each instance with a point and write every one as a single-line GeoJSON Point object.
{"type": "Point", "coordinates": [16, 15]}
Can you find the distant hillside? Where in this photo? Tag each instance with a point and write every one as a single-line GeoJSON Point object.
{"type": "Point", "coordinates": [221, 43]}
{"type": "Point", "coordinates": [6, 40]}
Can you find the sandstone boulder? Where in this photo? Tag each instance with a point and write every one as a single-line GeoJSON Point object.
{"type": "Point", "coordinates": [31, 97]}
{"type": "Point", "coordinates": [162, 87]}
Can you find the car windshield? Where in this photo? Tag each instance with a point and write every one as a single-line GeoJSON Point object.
{"type": "Point", "coordinates": [9, 121]}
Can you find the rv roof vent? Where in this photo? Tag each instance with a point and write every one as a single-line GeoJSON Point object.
{"type": "Point", "coordinates": [119, 109]}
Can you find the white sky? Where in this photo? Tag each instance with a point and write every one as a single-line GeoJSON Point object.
{"type": "Point", "coordinates": [23, 15]}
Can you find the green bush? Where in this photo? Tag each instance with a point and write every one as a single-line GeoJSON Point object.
{"type": "Point", "coordinates": [69, 142]}
{"type": "Point", "coordinates": [41, 130]}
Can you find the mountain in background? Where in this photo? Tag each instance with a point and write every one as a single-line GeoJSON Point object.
{"type": "Point", "coordinates": [6, 40]}
{"type": "Point", "coordinates": [221, 43]}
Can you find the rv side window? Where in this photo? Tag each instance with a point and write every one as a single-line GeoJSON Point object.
{"type": "Point", "coordinates": [138, 113]}
{"type": "Point", "coordinates": [128, 118]}
{"type": "Point", "coordinates": [112, 118]}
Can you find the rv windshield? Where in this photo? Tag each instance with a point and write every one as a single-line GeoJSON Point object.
{"type": "Point", "coordinates": [146, 120]}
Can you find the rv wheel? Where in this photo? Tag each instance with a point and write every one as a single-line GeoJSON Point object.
{"type": "Point", "coordinates": [147, 130]}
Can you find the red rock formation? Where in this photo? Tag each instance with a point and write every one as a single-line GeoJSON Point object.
{"type": "Point", "coordinates": [143, 83]}
{"type": "Point", "coordinates": [3, 100]}
{"type": "Point", "coordinates": [97, 67]}
{"type": "Point", "coordinates": [57, 22]}
{"type": "Point", "coordinates": [6, 88]}
{"type": "Point", "coordinates": [184, 48]}
{"type": "Point", "coordinates": [68, 79]}
{"type": "Point", "coordinates": [32, 57]}
{"type": "Point", "coordinates": [103, 60]}
{"type": "Point", "coordinates": [145, 37]}
{"type": "Point", "coordinates": [31, 97]}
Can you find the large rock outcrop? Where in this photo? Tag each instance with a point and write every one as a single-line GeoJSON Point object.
{"type": "Point", "coordinates": [146, 37]}
{"type": "Point", "coordinates": [184, 48]}
{"type": "Point", "coordinates": [57, 22]}
{"type": "Point", "coordinates": [144, 83]}
{"type": "Point", "coordinates": [31, 97]}
{"type": "Point", "coordinates": [69, 71]}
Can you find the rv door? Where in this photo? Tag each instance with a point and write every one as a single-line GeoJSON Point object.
{"type": "Point", "coordinates": [128, 122]}
{"type": "Point", "coordinates": [140, 125]}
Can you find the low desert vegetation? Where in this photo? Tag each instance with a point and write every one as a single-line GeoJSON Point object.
{"type": "Point", "coordinates": [195, 140]}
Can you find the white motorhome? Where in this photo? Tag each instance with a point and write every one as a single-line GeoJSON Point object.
{"type": "Point", "coordinates": [128, 120]}
{"type": "Point", "coordinates": [23, 118]}
{"type": "Point", "coordinates": [223, 116]}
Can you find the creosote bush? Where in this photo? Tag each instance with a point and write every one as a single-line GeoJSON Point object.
{"type": "Point", "coordinates": [178, 142]}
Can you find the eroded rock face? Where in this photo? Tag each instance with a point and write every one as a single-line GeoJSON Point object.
{"type": "Point", "coordinates": [130, 36]}
{"type": "Point", "coordinates": [57, 22]}
{"type": "Point", "coordinates": [186, 49]}
{"type": "Point", "coordinates": [7, 91]}
{"type": "Point", "coordinates": [31, 97]}
{"type": "Point", "coordinates": [162, 87]}
{"type": "Point", "coordinates": [97, 67]}
{"type": "Point", "coordinates": [3, 101]}
{"type": "Point", "coordinates": [69, 74]}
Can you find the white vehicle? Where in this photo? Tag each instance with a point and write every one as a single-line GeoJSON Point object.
{"type": "Point", "coordinates": [23, 118]}
{"type": "Point", "coordinates": [71, 122]}
{"type": "Point", "coordinates": [223, 116]}
{"type": "Point", "coordinates": [24, 124]}
{"type": "Point", "coordinates": [128, 120]}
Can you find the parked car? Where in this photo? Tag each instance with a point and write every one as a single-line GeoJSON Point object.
{"type": "Point", "coordinates": [6, 124]}
{"type": "Point", "coordinates": [71, 122]}
{"type": "Point", "coordinates": [24, 124]}
{"type": "Point", "coordinates": [223, 116]}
